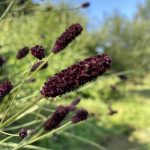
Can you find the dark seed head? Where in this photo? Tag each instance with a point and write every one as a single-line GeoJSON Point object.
{"type": "Point", "coordinates": [76, 75]}
{"type": "Point", "coordinates": [36, 65]}
{"type": "Point", "coordinates": [80, 115]}
{"type": "Point", "coordinates": [85, 5]}
{"type": "Point", "coordinates": [22, 52]}
{"type": "Point", "coordinates": [23, 133]}
{"type": "Point", "coordinates": [67, 37]}
{"type": "Point", "coordinates": [5, 88]}
{"type": "Point", "coordinates": [38, 52]}
{"type": "Point", "coordinates": [57, 117]}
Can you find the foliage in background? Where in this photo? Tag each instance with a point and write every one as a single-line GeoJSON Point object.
{"type": "Point", "coordinates": [128, 44]}
{"type": "Point", "coordinates": [127, 41]}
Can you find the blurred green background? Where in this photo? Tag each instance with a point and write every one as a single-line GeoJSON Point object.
{"type": "Point", "coordinates": [125, 87]}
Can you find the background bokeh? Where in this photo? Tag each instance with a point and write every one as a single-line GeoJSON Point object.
{"type": "Point", "coordinates": [118, 101]}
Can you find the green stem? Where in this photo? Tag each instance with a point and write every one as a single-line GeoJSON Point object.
{"type": "Point", "coordinates": [7, 10]}
{"type": "Point", "coordinates": [13, 145]}
{"type": "Point", "coordinates": [23, 125]}
{"type": "Point", "coordinates": [17, 92]}
{"type": "Point", "coordinates": [46, 60]}
{"type": "Point", "coordinates": [12, 74]}
{"type": "Point", "coordinates": [44, 136]}
{"type": "Point", "coordinates": [8, 133]}
{"type": "Point", "coordinates": [7, 138]}
{"type": "Point", "coordinates": [10, 120]}
{"type": "Point", "coordinates": [14, 89]}
{"type": "Point", "coordinates": [84, 140]}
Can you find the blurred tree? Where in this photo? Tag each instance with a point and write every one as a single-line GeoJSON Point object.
{"type": "Point", "coordinates": [127, 41]}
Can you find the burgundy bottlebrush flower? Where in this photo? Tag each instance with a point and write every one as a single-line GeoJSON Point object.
{"type": "Point", "coordinates": [76, 75]}
{"type": "Point", "coordinates": [5, 88]}
{"type": "Point", "coordinates": [56, 118]}
{"type": "Point", "coordinates": [85, 5]}
{"type": "Point", "coordinates": [22, 52]}
{"type": "Point", "coordinates": [38, 51]}
{"type": "Point", "coordinates": [23, 133]}
{"type": "Point", "coordinates": [36, 65]}
{"type": "Point", "coordinates": [2, 61]}
{"type": "Point", "coordinates": [80, 115]}
{"type": "Point", "coordinates": [73, 104]}
{"type": "Point", "coordinates": [67, 37]}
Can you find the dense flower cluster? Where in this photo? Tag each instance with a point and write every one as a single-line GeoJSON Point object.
{"type": "Point", "coordinates": [76, 75]}
{"type": "Point", "coordinates": [22, 52]}
{"type": "Point", "coordinates": [38, 51]}
{"type": "Point", "coordinates": [5, 88]}
{"type": "Point", "coordinates": [80, 115]}
{"type": "Point", "coordinates": [57, 117]}
{"type": "Point", "coordinates": [2, 61]}
{"type": "Point", "coordinates": [67, 37]}
{"type": "Point", "coordinates": [85, 5]}
{"type": "Point", "coordinates": [23, 133]}
{"type": "Point", "coordinates": [36, 65]}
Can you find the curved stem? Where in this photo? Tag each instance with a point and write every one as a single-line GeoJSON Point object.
{"type": "Point", "coordinates": [84, 140]}
{"type": "Point", "coordinates": [19, 88]}
{"type": "Point", "coordinates": [10, 120]}
{"type": "Point", "coordinates": [41, 65]}
{"type": "Point", "coordinates": [8, 133]}
{"type": "Point", "coordinates": [44, 136]}
{"type": "Point", "coordinates": [7, 10]}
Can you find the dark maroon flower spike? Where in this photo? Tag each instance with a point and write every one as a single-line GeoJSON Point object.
{"type": "Point", "coordinates": [22, 52]}
{"type": "Point", "coordinates": [67, 37]}
{"type": "Point", "coordinates": [5, 88]}
{"type": "Point", "coordinates": [2, 61]}
{"type": "Point", "coordinates": [85, 5]}
{"type": "Point", "coordinates": [38, 51]}
{"type": "Point", "coordinates": [74, 103]}
{"type": "Point", "coordinates": [76, 75]}
{"type": "Point", "coordinates": [80, 115]}
{"type": "Point", "coordinates": [57, 117]}
{"type": "Point", "coordinates": [23, 133]}
{"type": "Point", "coordinates": [36, 65]}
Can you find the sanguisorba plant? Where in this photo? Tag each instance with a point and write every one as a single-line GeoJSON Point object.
{"type": "Point", "coordinates": [57, 85]}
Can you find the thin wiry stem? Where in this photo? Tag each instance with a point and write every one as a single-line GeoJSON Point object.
{"type": "Point", "coordinates": [19, 88]}
{"type": "Point", "coordinates": [2, 132]}
{"type": "Point", "coordinates": [13, 72]}
{"type": "Point", "coordinates": [12, 119]}
{"type": "Point", "coordinates": [7, 138]}
{"type": "Point", "coordinates": [84, 140]}
{"type": "Point", "coordinates": [44, 136]}
{"type": "Point", "coordinates": [23, 125]}
{"type": "Point", "coordinates": [7, 10]}
{"type": "Point", "coordinates": [39, 67]}
{"type": "Point", "coordinates": [13, 145]}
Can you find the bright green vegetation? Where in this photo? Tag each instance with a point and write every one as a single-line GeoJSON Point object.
{"type": "Point", "coordinates": [129, 129]}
